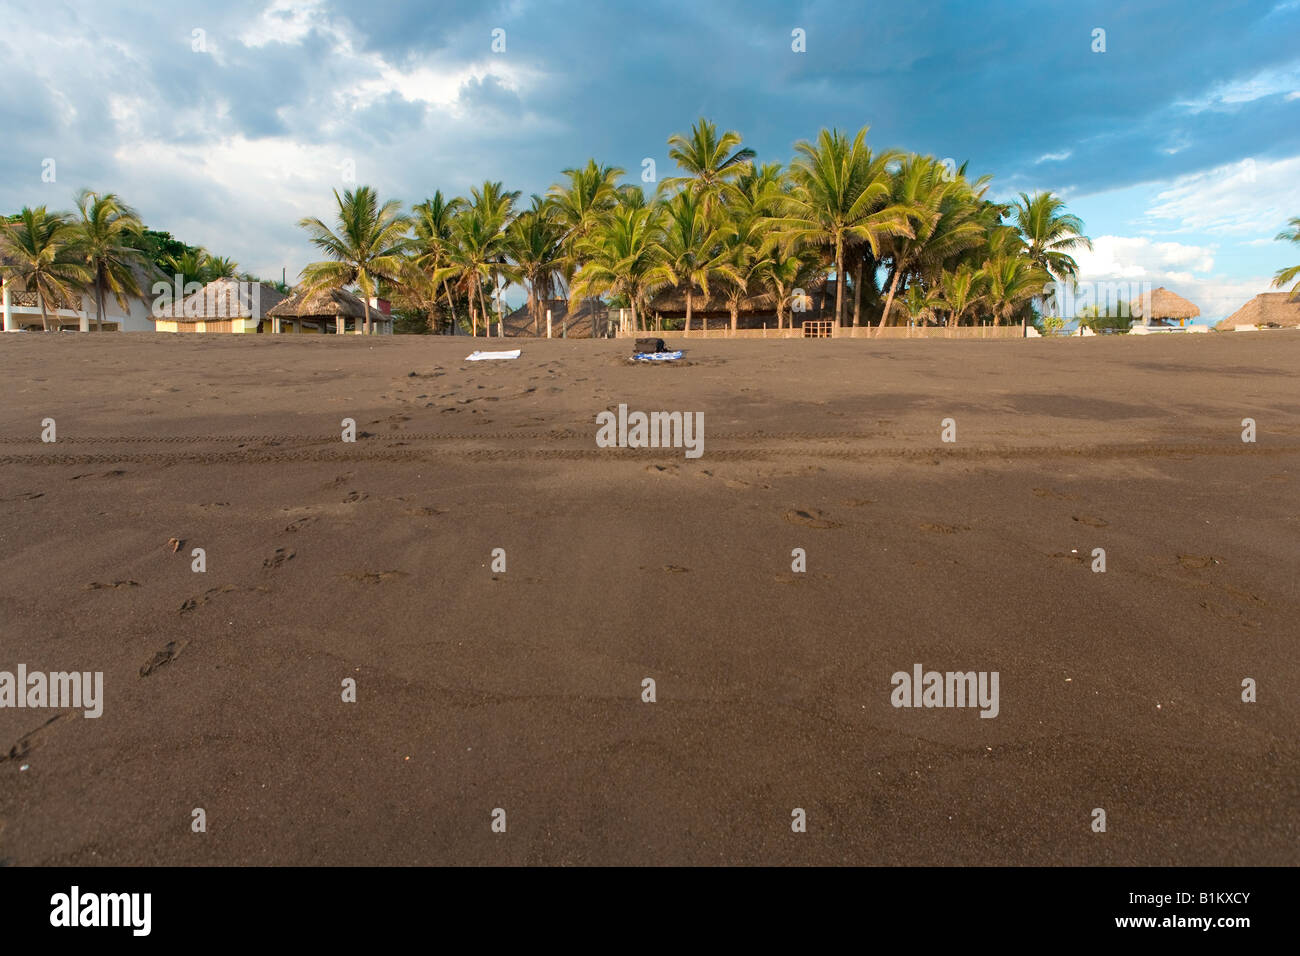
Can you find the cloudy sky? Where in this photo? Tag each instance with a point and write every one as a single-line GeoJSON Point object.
{"type": "Point", "coordinates": [1179, 145]}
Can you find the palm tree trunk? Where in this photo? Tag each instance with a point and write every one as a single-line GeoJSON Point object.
{"type": "Point", "coordinates": [689, 301]}
{"type": "Point", "coordinates": [857, 291]}
{"type": "Point", "coordinates": [99, 303]}
{"type": "Point", "coordinates": [839, 281]}
{"type": "Point", "coordinates": [45, 321]}
{"type": "Point", "coordinates": [735, 315]}
{"type": "Point", "coordinates": [482, 307]}
{"type": "Point", "coordinates": [889, 299]}
{"type": "Point", "coordinates": [365, 305]}
{"type": "Point", "coordinates": [451, 304]}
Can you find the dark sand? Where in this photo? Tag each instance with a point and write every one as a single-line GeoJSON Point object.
{"type": "Point", "coordinates": [522, 690]}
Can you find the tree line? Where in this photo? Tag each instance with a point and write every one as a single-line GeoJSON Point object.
{"type": "Point", "coordinates": [103, 249]}
{"type": "Point", "coordinates": [909, 238]}
{"type": "Point", "coordinates": [896, 227]}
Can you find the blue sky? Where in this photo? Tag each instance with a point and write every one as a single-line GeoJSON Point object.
{"type": "Point", "coordinates": [224, 124]}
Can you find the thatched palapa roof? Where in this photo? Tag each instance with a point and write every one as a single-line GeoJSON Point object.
{"type": "Point", "coordinates": [589, 313]}
{"type": "Point", "coordinates": [674, 299]}
{"type": "Point", "coordinates": [227, 299]}
{"type": "Point", "coordinates": [1266, 309]}
{"type": "Point", "coordinates": [323, 304]}
{"type": "Point", "coordinates": [1166, 305]}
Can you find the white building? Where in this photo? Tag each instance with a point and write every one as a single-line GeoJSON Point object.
{"type": "Point", "coordinates": [22, 311]}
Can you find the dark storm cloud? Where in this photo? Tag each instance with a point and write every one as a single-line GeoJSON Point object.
{"type": "Point", "coordinates": [1001, 85]}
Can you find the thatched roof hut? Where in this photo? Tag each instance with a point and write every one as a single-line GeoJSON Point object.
{"type": "Point", "coordinates": [1268, 310]}
{"type": "Point", "coordinates": [227, 299]}
{"type": "Point", "coordinates": [321, 304]}
{"type": "Point", "coordinates": [329, 310]}
{"type": "Point", "coordinates": [818, 302]}
{"type": "Point", "coordinates": [672, 301]}
{"type": "Point", "coordinates": [1166, 307]}
{"type": "Point", "coordinates": [587, 321]}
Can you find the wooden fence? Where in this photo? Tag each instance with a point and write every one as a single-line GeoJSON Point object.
{"type": "Point", "coordinates": [847, 332]}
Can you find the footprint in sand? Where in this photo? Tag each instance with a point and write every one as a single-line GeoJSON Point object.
{"type": "Point", "coordinates": [1197, 562]}
{"type": "Point", "coordinates": [1229, 614]}
{"type": "Point", "coordinates": [277, 560]}
{"type": "Point", "coordinates": [24, 744]}
{"type": "Point", "coordinates": [115, 473]}
{"type": "Point", "coordinates": [207, 596]}
{"type": "Point", "coordinates": [935, 528]}
{"type": "Point", "coordinates": [426, 512]}
{"type": "Point", "coordinates": [25, 496]}
{"type": "Point", "coordinates": [100, 585]}
{"type": "Point", "coordinates": [810, 518]}
{"type": "Point", "coordinates": [1091, 522]}
{"type": "Point", "coordinates": [374, 577]}
{"type": "Point", "coordinates": [300, 523]}
{"type": "Point", "coordinates": [163, 657]}
{"type": "Point", "coordinates": [355, 496]}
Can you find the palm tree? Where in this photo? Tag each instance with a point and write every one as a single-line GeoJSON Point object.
{"type": "Point", "coordinates": [579, 205]}
{"type": "Point", "coordinates": [710, 161]}
{"type": "Point", "coordinates": [478, 252]}
{"type": "Point", "coordinates": [1050, 234]}
{"type": "Point", "coordinates": [219, 267]}
{"type": "Point", "coordinates": [40, 255]}
{"type": "Point", "coordinates": [368, 248]}
{"type": "Point", "coordinates": [190, 266]}
{"type": "Point", "coordinates": [921, 302]}
{"type": "Point", "coordinates": [692, 245]}
{"type": "Point", "coordinates": [782, 273]}
{"type": "Point", "coordinates": [1011, 281]}
{"type": "Point", "coordinates": [1293, 272]}
{"type": "Point", "coordinates": [624, 256]}
{"type": "Point", "coordinates": [103, 239]}
{"type": "Point", "coordinates": [749, 254]}
{"type": "Point", "coordinates": [433, 243]}
{"type": "Point", "coordinates": [745, 270]}
{"type": "Point", "coordinates": [840, 196]}
{"type": "Point", "coordinates": [533, 242]}
{"type": "Point", "coordinates": [496, 205]}
{"type": "Point", "coordinates": [941, 209]}
{"type": "Point", "coordinates": [473, 245]}
{"type": "Point", "coordinates": [961, 290]}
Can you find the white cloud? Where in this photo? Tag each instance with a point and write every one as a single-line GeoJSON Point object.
{"type": "Point", "coordinates": [1055, 157]}
{"type": "Point", "coordinates": [1135, 257]}
{"type": "Point", "coordinates": [1269, 82]}
{"type": "Point", "coordinates": [1185, 269]}
{"type": "Point", "coordinates": [289, 22]}
{"type": "Point", "coordinates": [1251, 196]}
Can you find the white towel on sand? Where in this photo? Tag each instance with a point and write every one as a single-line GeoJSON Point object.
{"type": "Point", "coordinates": [477, 356]}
